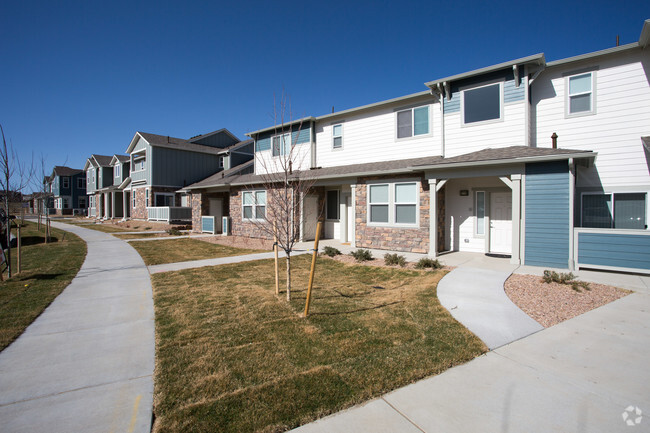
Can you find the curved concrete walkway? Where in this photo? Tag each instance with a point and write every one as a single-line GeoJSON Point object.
{"type": "Point", "coordinates": [476, 298]}
{"type": "Point", "coordinates": [86, 364]}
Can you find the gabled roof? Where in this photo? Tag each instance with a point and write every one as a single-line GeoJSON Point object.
{"type": "Point", "coordinates": [172, 143]}
{"type": "Point", "coordinates": [198, 138]}
{"type": "Point", "coordinates": [102, 160]}
{"type": "Point", "coordinates": [216, 178]}
{"type": "Point", "coordinates": [120, 158]}
{"type": "Point", "coordinates": [236, 146]}
{"type": "Point", "coordinates": [60, 170]}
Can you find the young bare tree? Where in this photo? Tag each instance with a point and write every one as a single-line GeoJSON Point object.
{"type": "Point", "coordinates": [276, 211]}
{"type": "Point", "coordinates": [14, 178]}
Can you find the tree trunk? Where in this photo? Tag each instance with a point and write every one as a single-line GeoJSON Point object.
{"type": "Point", "coordinates": [288, 277]}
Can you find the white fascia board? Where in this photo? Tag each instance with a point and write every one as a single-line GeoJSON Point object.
{"type": "Point", "coordinates": [546, 158]}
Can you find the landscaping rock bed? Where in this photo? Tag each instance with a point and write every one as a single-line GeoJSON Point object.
{"type": "Point", "coordinates": [552, 303]}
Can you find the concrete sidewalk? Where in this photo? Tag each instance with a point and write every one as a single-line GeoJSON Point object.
{"type": "Point", "coordinates": [86, 364]}
{"type": "Point", "coordinates": [476, 298]}
{"type": "Point", "coordinates": [169, 267]}
{"type": "Point", "coordinates": [578, 376]}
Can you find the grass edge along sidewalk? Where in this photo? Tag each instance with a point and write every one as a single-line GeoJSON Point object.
{"type": "Point", "coordinates": [183, 250]}
{"type": "Point", "coordinates": [232, 357]}
{"type": "Point", "coordinates": [47, 269]}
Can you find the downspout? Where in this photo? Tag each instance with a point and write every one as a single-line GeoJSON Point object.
{"type": "Point", "coordinates": [312, 137]}
{"type": "Point", "coordinates": [441, 96]}
{"type": "Point", "coordinates": [572, 184]}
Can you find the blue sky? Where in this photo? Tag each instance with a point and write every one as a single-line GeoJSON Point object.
{"type": "Point", "coordinates": [80, 77]}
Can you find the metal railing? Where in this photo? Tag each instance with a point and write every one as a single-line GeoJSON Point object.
{"type": "Point", "coordinates": [169, 213]}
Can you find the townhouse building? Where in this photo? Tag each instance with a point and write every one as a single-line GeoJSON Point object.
{"type": "Point", "coordinates": [544, 162]}
{"type": "Point", "coordinates": [65, 191]}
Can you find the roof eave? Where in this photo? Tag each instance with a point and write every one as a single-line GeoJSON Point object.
{"type": "Point", "coordinates": [537, 59]}
{"type": "Point", "coordinates": [281, 126]}
{"type": "Point", "coordinates": [507, 161]}
{"type": "Point", "coordinates": [587, 56]}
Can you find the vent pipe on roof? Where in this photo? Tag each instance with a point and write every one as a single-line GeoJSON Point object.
{"type": "Point", "coordinates": [617, 41]}
{"type": "Point", "coordinates": [554, 140]}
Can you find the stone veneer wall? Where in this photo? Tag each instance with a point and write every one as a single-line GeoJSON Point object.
{"type": "Point", "coordinates": [241, 227]}
{"type": "Point", "coordinates": [139, 212]}
{"type": "Point", "coordinates": [414, 240]}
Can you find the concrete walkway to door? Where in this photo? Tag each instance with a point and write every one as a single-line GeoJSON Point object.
{"type": "Point", "coordinates": [86, 364]}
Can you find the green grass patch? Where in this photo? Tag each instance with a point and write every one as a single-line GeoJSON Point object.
{"type": "Point", "coordinates": [233, 357]}
{"type": "Point", "coordinates": [140, 235]}
{"type": "Point", "coordinates": [47, 269]}
{"type": "Point", "coordinates": [183, 250]}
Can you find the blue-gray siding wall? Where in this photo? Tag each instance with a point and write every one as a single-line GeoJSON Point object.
{"type": "Point", "coordinates": [220, 140]}
{"type": "Point", "coordinates": [76, 191]}
{"type": "Point", "coordinates": [303, 135]}
{"type": "Point", "coordinates": [171, 167]}
{"type": "Point", "coordinates": [511, 93]}
{"type": "Point", "coordinates": [106, 177]}
{"type": "Point", "coordinates": [547, 214]}
{"type": "Point", "coordinates": [616, 250]}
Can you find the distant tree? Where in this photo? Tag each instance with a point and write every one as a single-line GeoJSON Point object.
{"type": "Point", "coordinates": [15, 176]}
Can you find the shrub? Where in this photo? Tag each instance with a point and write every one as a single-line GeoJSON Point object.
{"type": "Point", "coordinates": [331, 251]}
{"type": "Point", "coordinates": [394, 259]}
{"type": "Point", "coordinates": [174, 232]}
{"type": "Point", "coordinates": [564, 278]}
{"type": "Point", "coordinates": [426, 262]}
{"type": "Point", "coordinates": [362, 255]}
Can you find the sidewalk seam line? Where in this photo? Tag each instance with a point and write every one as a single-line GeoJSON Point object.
{"type": "Point", "coordinates": [403, 415]}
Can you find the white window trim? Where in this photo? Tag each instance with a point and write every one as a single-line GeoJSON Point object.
{"type": "Point", "coordinates": [338, 205]}
{"type": "Point", "coordinates": [412, 109]}
{"type": "Point", "coordinates": [611, 193]}
{"type": "Point", "coordinates": [254, 205]}
{"type": "Point", "coordinates": [221, 162]}
{"type": "Point", "coordinates": [392, 204]}
{"type": "Point", "coordinates": [567, 96]}
{"type": "Point", "coordinates": [117, 170]}
{"type": "Point", "coordinates": [336, 136]}
{"type": "Point", "coordinates": [462, 90]}
{"type": "Point", "coordinates": [282, 143]}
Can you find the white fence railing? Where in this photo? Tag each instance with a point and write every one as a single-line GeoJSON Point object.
{"type": "Point", "coordinates": [169, 213]}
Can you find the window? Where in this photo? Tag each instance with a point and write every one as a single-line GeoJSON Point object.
{"type": "Point", "coordinates": [412, 122]}
{"type": "Point", "coordinates": [81, 183]}
{"type": "Point", "coordinates": [117, 170]}
{"type": "Point", "coordinates": [254, 205]}
{"type": "Point", "coordinates": [146, 197]}
{"type": "Point", "coordinates": [82, 202]}
{"type": "Point", "coordinates": [65, 182]}
{"type": "Point", "coordinates": [337, 136]}
{"type": "Point", "coordinates": [163, 200]}
{"type": "Point", "coordinates": [332, 205]}
{"type": "Point", "coordinates": [139, 164]}
{"type": "Point", "coordinates": [221, 162]}
{"type": "Point", "coordinates": [65, 202]}
{"type": "Point", "coordinates": [614, 210]}
{"type": "Point", "coordinates": [281, 144]}
{"type": "Point", "coordinates": [482, 104]}
{"type": "Point", "coordinates": [133, 198]}
{"type": "Point", "coordinates": [580, 94]}
{"type": "Point", "coordinates": [480, 212]}
{"type": "Point", "coordinates": [395, 204]}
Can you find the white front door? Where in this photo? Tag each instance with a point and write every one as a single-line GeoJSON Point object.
{"type": "Point", "coordinates": [501, 223]}
{"type": "Point", "coordinates": [216, 210]}
{"type": "Point", "coordinates": [311, 217]}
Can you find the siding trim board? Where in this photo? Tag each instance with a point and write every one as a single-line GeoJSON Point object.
{"type": "Point", "coordinates": [547, 227]}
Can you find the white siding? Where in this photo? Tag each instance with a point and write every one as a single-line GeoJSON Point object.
{"type": "Point", "coordinates": [265, 163]}
{"type": "Point", "coordinates": [511, 131]}
{"type": "Point", "coordinates": [371, 137]}
{"type": "Point", "coordinates": [622, 117]}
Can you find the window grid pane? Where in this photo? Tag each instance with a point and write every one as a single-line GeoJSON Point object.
{"type": "Point", "coordinates": [597, 210]}
{"type": "Point", "coordinates": [580, 103]}
{"type": "Point", "coordinates": [405, 193]}
{"type": "Point", "coordinates": [482, 104]}
{"type": "Point", "coordinates": [421, 121]}
{"type": "Point", "coordinates": [379, 194]}
{"type": "Point", "coordinates": [404, 124]}
{"type": "Point", "coordinates": [379, 213]}
{"type": "Point", "coordinates": [405, 213]}
{"type": "Point", "coordinates": [580, 84]}
{"type": "Point", "coordinates": [629, 211]}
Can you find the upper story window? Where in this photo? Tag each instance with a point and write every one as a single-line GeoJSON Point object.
{"type": "Point", "coordinates": [614, 210]}
{"type": "Point", "coordinates": [393, 204]}
{"type": "Point", "coordinates": [65, 182]}
{"type": "Point", "coordinates": [81, 183]}
{"type": "Point", "coordinates": [580, 94]}
{"type": "Point", "coordinates": [221, 162]}
{"type": "Point", "coordinates": [413, 122]}
{"type": "Point", "coordinates": [139, 164]}
{"type": "Point", "coordinates": [482, 104]}
{"type": "Point", "coordinates": [118, 170]}
{"type": "Point", "coordinates": [281, 144]}
{"type": "Point", "coordinates": [254, 205]}
{"type": "Point", "coordinates": [337, 136]}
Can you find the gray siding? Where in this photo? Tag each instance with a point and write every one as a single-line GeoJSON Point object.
{"type": "Point", "coordinates": [220, 140]}
{"type": "Point", "coordinates": [179, 168]}
{"type": "Point", "coordinates": [547, 214]}
{"type": "Point", "coordinates": [141, 144]}
{"type": "Point", "coordinates": [616, 250]}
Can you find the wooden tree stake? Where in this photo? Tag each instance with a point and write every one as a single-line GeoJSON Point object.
{"type": "Point", "coordinates": [313, 269]}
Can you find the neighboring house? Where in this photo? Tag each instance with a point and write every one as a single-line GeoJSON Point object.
{"type": "Point", "coordinates": [470, 165]}
{"type": "Point", "coordinates": [162, 165]}
{"type": "Point", "coordinates": [99, 181]}
{"type": "Point", "coordinates": [68, 188]}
